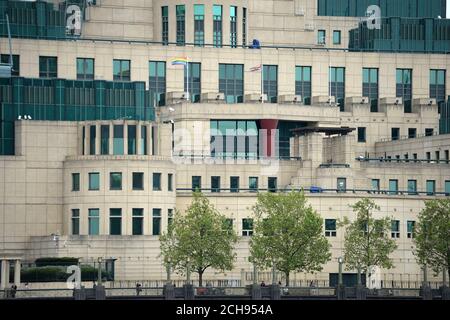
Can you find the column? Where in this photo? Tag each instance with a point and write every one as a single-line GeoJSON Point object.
{"type": "Point", "coordinates": [97, 138]}
{"type": "Point", "coordinates": [111, 138]}
{"type": "Point", "coordinates": [87, 134]}
{"type": "Point", "coordinates": [3, 276]}
{"type": "Point", "coordinates": [7, 273]}
{"type": "Point", "coordinates": [138, 138]}
{"type": "Point", "coordinates": [17, 267]}
{"type": "Point", "coordinates": [125, 138]}
{"type": "Point", "coordinates": [149, 140]}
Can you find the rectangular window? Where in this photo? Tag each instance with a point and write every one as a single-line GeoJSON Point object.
{"type": "Point", "coordinates": [194, 81]}
{"type": "Point", "coordinates": [144, 150]}
{"type": "Point", "coordinates": [341, 184]}
{"type": "Point", "coordinates": [412, 187]}
{"type": "Point", "coordinates": [395, 229]}
{"type": "Point", "coordinates": [431, 187]}
{"type": "Point", "coordinates": [234, 184]}
{"type": "Point", "coordinates": [336, 37]}
{"type": "Point", "coordinates": [370, 87]}
{"type": "Point", "coordinates": [94, 222]}
{"type": "Point", "coordinates": [170, 182]}
{"type": "Point", "coordinates": [92, 138]}
{"type": "Point", "coordinates": [138, 181]}
{"type": "Point", "coordinates": [447, 156]}
{"type": "Point", "coordinates": [115, 222]}
{"type": "Point", "coordinates": [247, 227]}
{"type": "Point", "coordinates": [321, 37]}
{"type": "Point", "coordinates": [244, 26]}
{"type": "Point", "coordinates": [447, 187]}
{"type": "Point", "coordinates": [169, 217]}
{"type": "Point", "coordinates": [330, 227]}
{"type": "Point", "coordinates": [233, 26]}
{"type": "Point", "coordinates": [429, 132]}
{"type": "Point", "coordinates": [253, 183]}
{"type": "Point", "coordinates": [270, 82]}
{"type": "Point", "coordinates": [118, 140]}
{"type": "Point", "coordinates": [437, 156]}
{"type": "Point", "coordinates": [404, 88]}
{"type": "Point", "coordinates": [138, 222]}
{"type": "Point", "coordinates": [272, 184]}
{"type": "Point", "coordinates": [121, 70]}
{"type": "Point", "coordinates": [428, 156]}
{"type": "Point", "coordinates": [231, 82]}
{"type": "Point", "coordinates": [156, 226]}
{"type": "Point", "coordinates": [48, 67]}
{"type": "Point", "coordinates": [303, 83]}
{"type": "Point", "coordinates": [215, 184]}
{"type": "Point", "coordinates": [85, 69]}
{"type": "Point", "coordinates": [376, 184]}
{"type": "Point", "coordinates": [196, 183]}
{"type": "Point", "coordinates": [395, 133]}
{"type": "Point", "coordinates": [75, 182]}
{"type": "Point", "coordinates": [217, 26]}
{"type": "Point", "coordinates": [437, 86]}
{"type": "Point", "coordinates": [393, 186]}
{"type": "Point", "coordinates": [157, 81]}
{"type": "Point", "coordinates": [75, 222]}
{"type": "Point", "coordinates": [337, 85]}
{"type": "Point", "coordinates": [156, 181]}
{"type": "Point", "coordinates": [131, 139]}
{"type": "Point", "coordinates": [165, 25]}
{"type": "Point", "coordinates": [181, 27]}
{"type": "Point", "coordinates": [199, 25]}
{"type": "Point", "coordinates": [411, 226]}
{"type": "Point", "coordinates": [4, 58]}
{"type": "Point", "coordinates": [115, 181]}
{"type": "Point", "coordinates": [104, 139]}
{"type": "Point", "coordinates": [412, 133]}
{"type": "Point", "coordinates": [94, 181]}
{"type": "Point", "coordinates": [361, 134]}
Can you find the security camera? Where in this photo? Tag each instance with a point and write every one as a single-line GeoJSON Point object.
{"type": "Point", "coordinates": [218, 97]}
{"type": "Point", "coordinates": [397, 101]}
{"type": "Point", "coordinates": [430, 102]}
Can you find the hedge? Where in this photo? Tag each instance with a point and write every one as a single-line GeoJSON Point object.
{"type": "Point", "coordinates": [58, 274]}
{"type": "Point", "coordinates": [65, 262]}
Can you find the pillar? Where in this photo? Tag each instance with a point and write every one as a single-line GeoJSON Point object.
{"type": "Point", "coordinates": [111, 138]}
{"type": "Point", "coordinates": [138, 139]}
{"type": "Point", "coordinates": [125, 138]}
{"type": "Point", "coordinates": [97, 138]}
{"type": "Point", "coordinates": [17, 268]}
{"type": "Point", "coordinates": [269, 142]}
{"type": "Point", "coordinates": [7, 273]}
{"type": "Point", "coordinates": [3, 275]}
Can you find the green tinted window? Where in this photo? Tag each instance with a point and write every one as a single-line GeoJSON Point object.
{"type": "Point", "coordinates": [115, 222]}
{"type": "Point", "coordinates": [115, 181]}
{"type": "Point", "coordinates": [94, 221]}
{"type": "Point", "coordinates": [94, 181]}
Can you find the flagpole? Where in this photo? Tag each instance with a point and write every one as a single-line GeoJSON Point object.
{"type": "Point", "coordinates": [262, 83]}
{"type": "Point", "coordinates": [187, 79]}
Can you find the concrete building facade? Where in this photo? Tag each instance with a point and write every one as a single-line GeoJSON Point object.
{"type": "Point", "coordinates": [114, 148]}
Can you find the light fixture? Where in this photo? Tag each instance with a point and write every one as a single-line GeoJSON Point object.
{"type": "Point", "coordinates": [340, 260]}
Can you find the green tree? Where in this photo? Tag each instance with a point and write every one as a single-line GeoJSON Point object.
{"type": "Point", "coordinates": [367, 241]}
{"type": "Point", "coordinates": [432, 235]}
{"type": "Point", "coordinates": [288, 234]}
{"type": "Point", "coordinates": [199, 240]}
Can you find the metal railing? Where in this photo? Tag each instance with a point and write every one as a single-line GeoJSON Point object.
{"type": "Point", "coordinates": [403, 160]}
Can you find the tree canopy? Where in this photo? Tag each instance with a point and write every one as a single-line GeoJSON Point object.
{"type": "Point", "coordinates": [432, 235]}
{"type": "Point", "coordinates": [367, 240]}
{"type": "Point", "coordinates": [199, 240]}
{"type": "Point", "coordinates": [288, 234]}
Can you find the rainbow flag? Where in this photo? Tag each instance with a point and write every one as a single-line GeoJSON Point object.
{"type": "Point", "coordinates": [180, 61]}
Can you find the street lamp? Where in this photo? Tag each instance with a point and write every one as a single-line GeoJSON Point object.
{"type": "Point", "coordinates": [99, 280]}
{"type": "Point", "coordinates": [341, 261]}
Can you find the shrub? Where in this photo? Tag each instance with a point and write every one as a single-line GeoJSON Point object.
{"type": "Point", "coordinates": [65, 262]}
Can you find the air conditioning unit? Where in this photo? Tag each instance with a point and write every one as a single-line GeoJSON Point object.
{"type": "Point", "coordinates": [289, 98]}
{"type": "Point", "coordinates": [213, 97]}
{"type": "Point", "coordinates": [5, 70]}
{"type": "Point", "coordinates": [255, 97]}
{"type": "Point", "coordinates": [176, 96]}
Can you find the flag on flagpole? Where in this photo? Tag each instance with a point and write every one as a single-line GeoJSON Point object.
{"type": "Point", "coordinates": [182, 61]}
{"type": "Point", "coordinates": [256, 68]}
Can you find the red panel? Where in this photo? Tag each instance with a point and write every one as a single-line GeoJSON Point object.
{"type": "Point", "coordinates": [269, 125]}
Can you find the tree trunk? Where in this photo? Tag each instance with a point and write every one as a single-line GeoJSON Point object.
{"type": "Point", "coordinates": [287, 278]}
{"type": "Point", "coordinates": [200, 278]}
{"type": "Point", "coordinates": [448, 272]}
